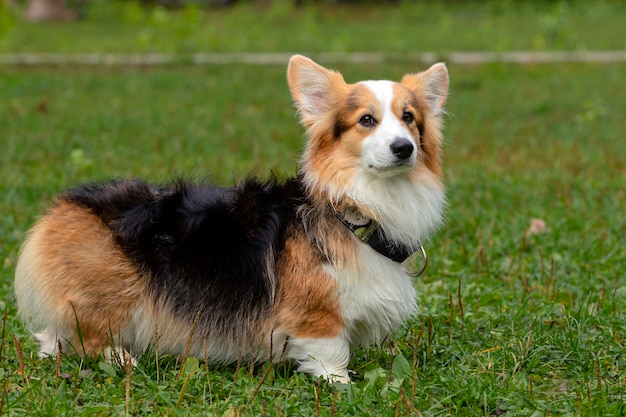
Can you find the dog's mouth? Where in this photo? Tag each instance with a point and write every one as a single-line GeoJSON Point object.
{"type": "Point", "coordinates": [398, 167]}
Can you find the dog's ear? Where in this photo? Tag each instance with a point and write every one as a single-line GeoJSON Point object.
{"type": "Point", "coordinates": [432, 84]}
{"type": "Point", "coordinates": [313, 88]}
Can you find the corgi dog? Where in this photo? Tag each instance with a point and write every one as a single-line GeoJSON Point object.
{"type": "Point", "coordinates": [301, 270]}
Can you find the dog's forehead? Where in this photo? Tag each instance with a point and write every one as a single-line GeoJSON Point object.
{"type": "Point", "coordinates": [386, 92]}
{"type": "Point", "coordinates": [382, 90]}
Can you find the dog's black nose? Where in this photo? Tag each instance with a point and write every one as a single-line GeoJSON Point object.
{"type": "Point", "coordinates": [401, 148]}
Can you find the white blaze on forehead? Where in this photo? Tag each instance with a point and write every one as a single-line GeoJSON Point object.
{"type": "Point", "coordinates": [383, 91]}
{"type": "Point", "coordinates": [389, 124]}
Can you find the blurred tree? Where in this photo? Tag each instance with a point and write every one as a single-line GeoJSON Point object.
{"type": "Point", "coordinates": [44, 10]}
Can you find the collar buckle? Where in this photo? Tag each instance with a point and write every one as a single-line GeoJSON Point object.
{"type": "Point", "coordinates": [370, 234]}
{"type": "Point", "coordinates": [365, 232]}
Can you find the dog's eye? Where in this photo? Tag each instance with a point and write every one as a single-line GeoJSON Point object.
{"type": "Point", "coordinates": [408, 118]}
{"type": "Point", "coordinates": [367, 120]}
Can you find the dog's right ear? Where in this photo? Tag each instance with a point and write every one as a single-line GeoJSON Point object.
{"type": "Point", "coordinates": [313, 88]}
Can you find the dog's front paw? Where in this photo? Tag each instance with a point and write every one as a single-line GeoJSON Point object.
{"type": "Point", "coordinates": [119, 356]}
{"type": "Point", "coordinates": [326, 357]}
{"type": "Point", "coordinates": [342, 378]}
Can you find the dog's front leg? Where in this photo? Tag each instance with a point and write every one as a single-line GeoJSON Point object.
{"type": "Point", "coordinates": [325, 357]}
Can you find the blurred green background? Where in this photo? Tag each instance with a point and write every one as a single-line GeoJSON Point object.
{"type": "Point", "coordinates": [314, 26]}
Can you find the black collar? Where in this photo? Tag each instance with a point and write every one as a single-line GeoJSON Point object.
{"type": "Point", "coordinates": [373, 235]}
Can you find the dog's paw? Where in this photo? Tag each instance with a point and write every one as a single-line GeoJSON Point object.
{"type": "Point", "coordinates": [338, 379]}
{"type": "Point", "coordinates": [119, 356]}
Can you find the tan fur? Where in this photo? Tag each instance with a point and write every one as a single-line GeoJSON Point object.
{"type": "Point", "coordinates": [419, 84]}
{"type": "Point", "coordinates": [308, 304]}
{"type": "Point", "coordinates": [80, 275]}
{"type": "Point", "coordinates": [336, 161]}
{"type": "Point", "coordinates": [329, 236]}
{"type": "Point", "coordinates": [299, 83]}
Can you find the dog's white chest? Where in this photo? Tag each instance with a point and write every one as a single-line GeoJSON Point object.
{"type": "Point", "coordinates": [376, 299]}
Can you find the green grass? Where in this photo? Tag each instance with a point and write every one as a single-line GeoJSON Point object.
{"type": "Point", "coordinates": [510, 324]}
{"type": "Point", "coordinates": [496, 25]}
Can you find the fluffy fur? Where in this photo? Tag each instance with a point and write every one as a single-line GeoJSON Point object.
{"type": "Point", "coordinates": [264, 270]}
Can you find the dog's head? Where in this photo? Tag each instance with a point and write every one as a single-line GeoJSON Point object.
{"type": "Point", "coordinates": [370, 131]}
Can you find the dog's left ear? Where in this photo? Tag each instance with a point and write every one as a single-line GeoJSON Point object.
{"type": "Point", "coordinates": [313, 88]}
{"type": "Point", "coordinates": [432, 83]}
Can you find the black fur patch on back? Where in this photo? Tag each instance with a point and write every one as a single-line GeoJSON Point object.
{"type": "Point", "coordinates": [207, 250]}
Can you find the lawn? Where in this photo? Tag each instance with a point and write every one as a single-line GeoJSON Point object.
{"type": "Point", "coordinates": [511, 323]}
{"type": "Point", "coordinates": [269, 26]}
